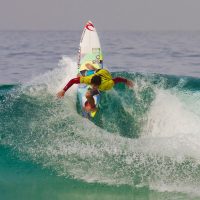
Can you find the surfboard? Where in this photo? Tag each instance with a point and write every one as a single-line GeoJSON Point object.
{"type": "Point", "coordinates": [89, 52]}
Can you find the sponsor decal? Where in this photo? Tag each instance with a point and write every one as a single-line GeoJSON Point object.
{"type": "Point", "coordinates": [89, 26]}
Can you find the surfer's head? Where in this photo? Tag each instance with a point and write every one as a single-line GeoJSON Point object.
{"type": "Point", "coordinates": [96, 81]}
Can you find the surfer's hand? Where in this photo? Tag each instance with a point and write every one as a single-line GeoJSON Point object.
{"type": "Point", "coordinates": [129, 83]}
{"type": "Point", "coordinates": [61, 94]}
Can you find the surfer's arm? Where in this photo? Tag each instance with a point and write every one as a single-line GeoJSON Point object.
{"type": "Point", "coordinates": [72, 82]}
{"type": "Point", "coordinates": [123, 80]}
{"type": "Point", "coordinates": [119, 80]}
{"type": "Point", "coordinates": [69, 84]}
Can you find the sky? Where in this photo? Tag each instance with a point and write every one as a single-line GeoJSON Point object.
{"type": "Point", "coordinates": [106, 14]}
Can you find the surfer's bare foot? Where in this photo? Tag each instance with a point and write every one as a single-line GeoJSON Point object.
{"type": "Point", "coordinates": [61, 94]}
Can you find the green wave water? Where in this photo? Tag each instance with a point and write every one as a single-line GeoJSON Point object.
{"type": "Point", "coordinates": [143, 144]}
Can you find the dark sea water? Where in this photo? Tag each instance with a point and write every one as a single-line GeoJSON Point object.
{"type": "Point", "coordinates": [144, 142]}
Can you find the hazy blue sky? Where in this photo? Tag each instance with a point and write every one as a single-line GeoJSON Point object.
{"type": "Point", "coordinates": [106, 14]}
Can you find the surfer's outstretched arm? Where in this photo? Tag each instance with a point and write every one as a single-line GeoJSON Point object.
{"type": "Point", "coordinates": [69, 84]}
{"type": "Point", "coordinates": [123, 80]}
{"type": "Point", "coordinates": [72, 82]}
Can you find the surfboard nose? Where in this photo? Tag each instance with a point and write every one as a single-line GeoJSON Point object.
{"type": "Point", "coordinates": [89, 21]}
{"type": "Point", "coordinates": [89, 26]}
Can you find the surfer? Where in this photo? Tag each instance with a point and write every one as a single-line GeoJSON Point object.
{"type": "Point", "coordinates": [100, 81]}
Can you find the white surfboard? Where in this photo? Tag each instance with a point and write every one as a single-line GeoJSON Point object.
{"type": "Point", "coordinates": [89, 52]}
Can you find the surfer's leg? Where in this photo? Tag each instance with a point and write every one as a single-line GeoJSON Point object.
{"type": "Point", "coordinates": [89, 97]}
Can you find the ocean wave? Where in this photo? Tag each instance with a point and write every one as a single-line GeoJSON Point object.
{"type": "Point", "coordinates": [140, 137]}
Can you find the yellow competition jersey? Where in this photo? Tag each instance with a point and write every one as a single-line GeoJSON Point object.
{"type": "Point", "coordinates": [106, 79]}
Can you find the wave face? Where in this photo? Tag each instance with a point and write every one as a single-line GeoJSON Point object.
{"type": "Point", "coordinates": [146, 136]}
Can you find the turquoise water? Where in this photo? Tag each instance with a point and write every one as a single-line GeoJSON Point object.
{"type": "Point", "coordinates": [143, 143]}
{"type": "Point", "coordinates": [22, 180]}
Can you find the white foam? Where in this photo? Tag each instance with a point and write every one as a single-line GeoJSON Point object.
{"type": "Point", "coordinates": [169, 117]}
{"type": "Point", "coordinates": [55, 80]}
{"type": "Point", "coordinates": [192, 190]}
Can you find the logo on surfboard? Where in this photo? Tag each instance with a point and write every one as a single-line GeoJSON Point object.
{"type": "Point", "coordinates": [89, 26]}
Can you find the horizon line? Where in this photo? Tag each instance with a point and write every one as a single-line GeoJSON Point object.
{"type": "Point", "coordinates": [107, 30]}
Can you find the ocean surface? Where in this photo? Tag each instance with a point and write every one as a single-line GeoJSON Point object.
{"type": "Point", "coordinates": [144, 142]}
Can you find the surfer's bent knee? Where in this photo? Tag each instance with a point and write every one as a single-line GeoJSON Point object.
{"type": "Point", "coordinates": [88, 94]}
